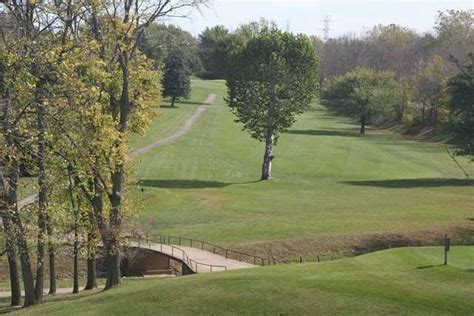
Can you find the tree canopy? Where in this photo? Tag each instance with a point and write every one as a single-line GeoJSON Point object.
{"type": "Point", "coordinates": [271, 80]}
{"type": "Point", "coordinates": [177, 77]}
{"type": "Point", "coordinates": [461, 92]}
{"type": "Point", "coordinates": [362, 93]}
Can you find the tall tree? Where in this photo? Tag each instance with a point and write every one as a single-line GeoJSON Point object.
{"type": "Point", "coordinates": [461, 92]}
{"type": "Point", "coordinates": [271, 80]}
{"type": "Point", "coordinates": [118, 26]}
{"type": "Point", "coordinates": [215, 47]}
{"type": "Point", "coordinates": [362, 94]}
{"type": "Point", "coordinates": [159, 40]}
{"type": "Point", "coordinates": [177, 76]}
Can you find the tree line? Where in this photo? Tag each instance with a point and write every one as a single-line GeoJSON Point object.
{"type": "Point", "coordinates": [75, 86]}
{"type": "Point", "coordinates": [394, 76]}
{"type": "Point", "coordinates": [388, 76]}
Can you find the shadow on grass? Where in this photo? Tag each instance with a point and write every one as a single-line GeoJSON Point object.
{"type": "Point", "coordinates": [165, 106]}
{"type": "Point", "coordinates": [428, 267]}
{"type": "Point", "coordinates": [324, 132]}
{"type": "Point", "coordinates": [47, 300]}
{"type": "Point", "coordinates": [412, 183]}
{"type": "Point", "coordinates": [187, 184]}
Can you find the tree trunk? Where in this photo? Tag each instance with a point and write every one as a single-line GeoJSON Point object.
{"type": "Point", "coordinates": [42, 201]}
{"type": "Point", "coordinates": [91, 274]}
{"type": "Point", "coordinates": [22, 243]}
{"type": "Point", "coordinates": [9, 236]}
{"type": "Point", "coordinates": [15, 299]}
{"type": "Point", "coordinates": [75, 287]}
{"type": "Point", "coordinates": [423, 113]}
{"type": "Point", "coordinates": [52, 259]}
{"type": "Point", "coordinates": [112, 244]}
{"type": "Point", "coordinates": [113, 268]}
{"type": "Point", "coordinates": [267, 158]}
{"type": "Point", "coordinates": [12, 200]}
{"type": "Point", "coordinates": [173, 100]}
{"type": "Point", "coordinates": [91, 253]}
{"type": "Point", "coordinates": [362, 125]}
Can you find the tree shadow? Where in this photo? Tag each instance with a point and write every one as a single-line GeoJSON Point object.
{"type": "Point", "coordinates": [412, 183]}
{"type": "Point", "coordinates": [168, 107]}
{"type": "Point", "coordinates": [428, 267]}
{"type": "Point", "coordinates": [190, 102]}
{"type": "Point", "coordinates": [324, 132]}
{"type": "Point", "coordinates": [187, 184]}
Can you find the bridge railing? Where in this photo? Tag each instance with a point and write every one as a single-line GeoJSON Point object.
{"type": "Point", "coordinates": [228, 253]}
{"type": "Point", "coordinates": [176, 252]}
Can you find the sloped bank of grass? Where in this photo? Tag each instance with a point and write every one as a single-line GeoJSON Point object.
{"type": "Point", "coordinates": [397, 281]}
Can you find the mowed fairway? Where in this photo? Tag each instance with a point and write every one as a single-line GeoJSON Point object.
{"type": "Point", "coordinates": [329, 181]}
{"type": "Point", "coordinates": [406, 281]}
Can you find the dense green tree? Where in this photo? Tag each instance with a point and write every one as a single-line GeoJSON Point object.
{"type": "Point", "coordinates": [177, 77]}
{"type": "Point", "coordinates": [271, 80]}
{"type": "Point", "coordinates": [160, 39]}
{"type": "Point", "coordinates": [461, 92]}
{"type": "Point", "coordinates": [215, 47]}
{"type": "Point", "coordinates": [363, 94]}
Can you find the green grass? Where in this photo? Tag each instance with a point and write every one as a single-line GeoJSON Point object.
{"type": "Point", "coordinates": [328, 181]}
{"type": "Point", "coordinates": [168, 119]}
{"type": "Point", "coordinates": [397, 281]}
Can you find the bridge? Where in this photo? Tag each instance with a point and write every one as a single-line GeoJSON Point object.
{"type": "Point", "coordinates": [154, 256]}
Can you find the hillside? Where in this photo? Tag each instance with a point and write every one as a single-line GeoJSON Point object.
{"type": "Point", "coordinates": [397, 281]}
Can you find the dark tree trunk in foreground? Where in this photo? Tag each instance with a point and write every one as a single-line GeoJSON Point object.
{"type": "Point", "coordinates": [26, 270]}
{"type": "Point", "coordinates": [91, 274]}
{"type": "Point", "coordinates": [15, 299]}
{"type": "Point", "coordinates": [267, 159]}
{"type": "Point", "coordinates": [42, 200]}
{"type": "Point", "coordinates": [18, 230]}
{"type": "Point", "coordinates": [112, 240]}
{"type": "Point", "coordinates": [362, 125]}
{"type": "Point", "coordinates": [91, 253]}
{"type": "Point", "coordinates": [75, 287]}
{"type": "Point", "coordinates": [9, 236]}
{"type": "Point", "coordinates": [52, 260]}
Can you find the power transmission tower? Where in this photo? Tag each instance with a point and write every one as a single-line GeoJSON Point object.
{"type": "Point", "coordinates": [326, 27]}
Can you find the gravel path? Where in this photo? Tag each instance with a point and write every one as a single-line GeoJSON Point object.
{"type": "Point", "coordinates": [183, 130]}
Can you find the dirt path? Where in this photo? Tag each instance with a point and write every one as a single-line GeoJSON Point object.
{"type": "Point", "coordinates": [180, 132]}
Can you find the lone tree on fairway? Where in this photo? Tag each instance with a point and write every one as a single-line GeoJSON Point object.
{"type": "Point", "coordinates": [362, 93]}
{"type": "Point", "coordinates": [272, 79]}
{"type": "Point", "coordinates": [177, 78]}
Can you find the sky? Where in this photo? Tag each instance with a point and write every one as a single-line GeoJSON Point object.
{"type": "Point", "coordinates": [305, 16]}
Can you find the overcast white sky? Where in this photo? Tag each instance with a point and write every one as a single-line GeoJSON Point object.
{"type": "Point", "coordinates": [304, 16]}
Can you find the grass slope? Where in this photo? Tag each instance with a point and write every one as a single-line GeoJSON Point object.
{"type": "Point", "coordinates": [396, 281]}
{"type": "Point", "coordinates": [328, 181]}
